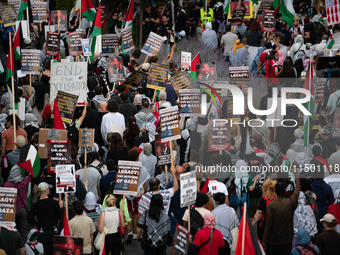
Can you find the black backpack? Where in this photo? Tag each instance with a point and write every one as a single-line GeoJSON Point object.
{"type": "Point", "coordinates": [196, 221]}
{"type": "Point", "coordinates": [72, 134]}
{"type": "Point", "coordinates": [317, 31]}
{"type": "Point", "coordinates": [299, 67]}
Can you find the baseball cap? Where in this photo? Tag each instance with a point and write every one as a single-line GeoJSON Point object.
{"type": "Point", "coordinates": [43, 186]}
{"type": "Point", "coordinates": [328, 218]}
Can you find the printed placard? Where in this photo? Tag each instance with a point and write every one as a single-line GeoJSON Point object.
{"type": "Point", "coordinates": [158, 76]}
{"type": "Point", "coordinates": [162, 151]}
{"type": "Point", "coordinates": [30, 61]}
{"type": "Point", "coordinates": [67, 104]}
{"type": "Point", "coordinates": [65, 178]}
{"type": "Point", "coordinates": [135, 79]}
{"type": "Point", "coordinates": [59, 19]}
{"type": "Point", "coordinates": [206, 72]}
{"type": "Point", "coordinates": [320, 90]}
{"type": "Point", "coordinates": [219, 135]}
{"type": "Point", "coordinates": [110, 45]}
{"type": "Point", "coordinates": [39, 12]}
{"type": "Point", "coordinates": [248, 5]}
{"type": "Point", "coordinates": [269, 21]}
{"type": "Point", "coordinates": [186, 61]}
{"type": "Point", "coordinates": [181, 241]}
{"type": "Point", "coordinates": [115, 69]}
{"type": "Point", "coordinates": [153, 44]}
{"type": "Point", "coordinates": [127, 178]}
{"type": "Point", "coordinates": [67, 245]}
{"type": "Point", "coordinates": [188, 189]}
{"type": "Point", "coordinates": [265, 5]}
{"type": "Point", "coordinates": [70, 77]}
{"type": "Point", "coordinates": [85, 43]}
{"type": "Point", "coordinates": [332, 10]}
{"type": "Point", "coordinates": [8, 198]}
{"type": "Point", "coordinates": [328, 62]}
{"type": "Point", "coordinates": [59, 153]}
{"type": "Point", "coordinates": [8, 15]}
{"type": "Point", "coordinates": [86, 137]}
{"type": "Point", "coordinates": [127, 39]}
{"type": "Point", "coordinates": [46, 134]}
{"type": "Point", "coordinates": [33, 36]}
{"type": "Point", "coordinates": [239, 73]}
{"type": "Point", "coordinates": [170, 124]}
{"type": "Point", "coordinates": [52, 43]}
{"type": "Point", "coordinates": [74, 43]}
{"type": "Point", "coordinates": [189, 104]}
{"type": "Point", "coordinates": [238, 16]}
{"type": "Point", "coordinates": [181, 81]}
{"type": "Point", "coordinates": [16, 4]}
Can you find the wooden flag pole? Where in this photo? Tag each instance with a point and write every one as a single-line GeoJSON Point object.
{"type": "Point", "coordinates": [206, 11]}
{"type": "Point", "coordinates": [13, 92]}
{"type": "Point", "coordinates": [166, 173]}
{"type": "Point", "coordinates": [123, 200]}
{"type": "Point", "coordinates": [130, 56]}
{"type": "Point", "coordinates": [189, 211]}
{"type": "Point", "coordinates": [85, 167]}
{"type": "Point", "coordinates": [244, 226]}
{"type": "Point", "coordinates": [172, 159]}
{"type": "Point", "coordinates": [13, 28]}
{"type": "Point", "coordinates": [30, 85]}
{"type": "Point", "coordinates": [147, 56]}
{"type": "Point", "coordinates": [58, 22]}
{"type": "Point", "coordinates": [66, 205]}
{"type": "Point", "coordinates": [28, 24]}
{"type": "Point", "coordinates": [275, 125]}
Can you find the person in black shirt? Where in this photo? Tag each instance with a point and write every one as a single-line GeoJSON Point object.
{"type": "Point", "coordinates": [150, 21]}
{"type": "Point", "coordinates": [165, 29]}
{"type": "Point", "coordinates": [183, 22]}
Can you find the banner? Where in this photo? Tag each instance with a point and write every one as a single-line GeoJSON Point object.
{"type": "Point", "coordinates": [219, 135]}
{"type": "Point", "coordinates": [181, 81]}
{"type": "Point", "coordinates": [67, 104]}
{"type": "Point", "coordinates": [189, 102]}
{"type": "Point", "coordinates": [67, 245]}
{"type": "Point", "coordinates": [59, 18]}
{"type": "Point", "coordinates": [332, 11]}
{"type": "Point", "coordinates": [181, 241]}
{"type": "Point", "coordinates": [127, 39]}
{"type": "Point", "coordinates": [30, 61]}
{"type": "Point", "coordinates": [59, 153]}
{"type": "Point", "coordinates": [115, 69]}
{"type": "Point", "coordinates": [239, 73]}
{"type": "Point", "coordinates": [85, 43]}
{"type": "Point", "coordinates": [162, 151]}
{"type": "Point", "coordinates": [69, 77]}
{"type": "Point", "coordinates": [39, 12]}
{"type": "Point", "coordinates": [269, 21]}
{"type": "Point", "coordinates": [74, 43]}
{"type": "Point", "coordinates": [206, 72]}
{"type": "Point", "coordinates": [170, 129]}
{"type": "Point", "coordinates": [153, 44]}
{"type": "Point", "coordinates": [188, 189]}
{"type": "Point", "coordinates": [186, 61]}
{"type": "Point", "coordinates": [110, 45]}
{"type": "Point", "coordinates": [8, 15]}
{"type": "Point", "coordinates": [328, 62]}
{"type": "Point", "coordinates": [158, 76]}
{"type": "Point", "coordinates": [52, 43]}
{"type": "Point", "coordinates": [127, 178]}
{"type": "Point", "coordinates": [238, 16]}
{"type": "Point", "coordinates": [65, 176]}
{"type": "Point", "coordinates": [8, 199]}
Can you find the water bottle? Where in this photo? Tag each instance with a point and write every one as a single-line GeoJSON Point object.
{"type": "Point", "coordinates": [5, 162]}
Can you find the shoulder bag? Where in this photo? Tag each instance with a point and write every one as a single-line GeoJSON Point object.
{"type": "Point", "coordinates": [234, 234]}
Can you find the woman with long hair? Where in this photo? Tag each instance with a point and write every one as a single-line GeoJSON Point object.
{"type": "Point", "coordinates": [158, 226]}
{"type": "Point", "coordinates": [253, 36]}
{"type": "Point", "coordinates": [131, 132]}
{"type": "Point", "coordinates": [288, 74]}
{"type": "Point", "coordinates": [38, 100]}
{"type": "Point", "coordinates": [118, 149]}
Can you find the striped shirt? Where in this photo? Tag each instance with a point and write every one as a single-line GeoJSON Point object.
{"type": "Point", "coordinates": [144, 202]}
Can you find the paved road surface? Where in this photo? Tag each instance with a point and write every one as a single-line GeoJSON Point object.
{"type": "Point", "coordinates": [134, 249]}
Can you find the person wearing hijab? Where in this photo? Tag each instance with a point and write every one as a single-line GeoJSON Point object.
{"type": "Point", "coordinates": [298, 145]}
{"type": "Point", "coordinates": [297, 47]}
{"type": "Point", "coordinates": [215, 244]}
{"type": "Point", "coordinates": [209, 37]}
{"type": "Point", "coordinates": [239, 54]}
{"type": "Point", "coordinates": [303, 241]}
{"type": "Point", "coordinates": [148, 159]}
{"type": "Point", "coordinates": [33, 247]}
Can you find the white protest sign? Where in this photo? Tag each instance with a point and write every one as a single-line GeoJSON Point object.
{"type": "Point", "coordinates": [23, 27]}
{"type": "Point", "coordinates": [65, 178]}
{"type": "Point", "coordinates": [85, 43]}
{"type": "Point", "coordinates": [186, 61]}
{"type": "Point", "coordinates": [50, 28]}
{"type": "Point", "coordinates": [69, 77]}
{"type": "Point", "coordinates": [22, 109]}
{"type": "Point", "coordinates": [188, 189]}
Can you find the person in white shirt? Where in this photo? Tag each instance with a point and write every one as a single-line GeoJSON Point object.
{"type": "Point", "coordinates": [112, 117]}
{"type": "Point", "coordinates": [228, 41]}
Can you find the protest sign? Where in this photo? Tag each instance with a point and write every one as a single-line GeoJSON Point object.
{"type": "Point", "coordinates": [30, 61]}
{"type": "Point", "coordinates": [67, 245]}
{"type": "Point", "coordinates": [219, 135]}
{"type": "Point", "coordinates": [65, 176]}
{"type": "Point", "coordinates": [115, 69]}
{"type": "Point", "coordinates": [328, 62]}
{"type": "Point", "coordinates": [265, 5]}
{"type": "Point", "coordinates": [181, 81]}
{"type": "Point", "coordinates": [269, 21]}
{"type": "Point", "coordinates": [135, 79]}
{"type": "Point", "coordinates": [188, 189]}
{"type": "Point", "coordinates": [50, 28]}
{"type": "Point", "coordinates": [110, 45]}
{"type": "Point", "coordinates": [21, 111]}
{"type": "Point", "coordinates": [336, 123]}
{"type": "Point", "coordinates": [70, 77]}
{"type": "Point", "coordinates": [332, 10]}
{"type": "Point", "coordinates": [189, 102]}
{"type": "Point", "coordinates": [158, 75]}
{"type": "Point", "coordinates": [238, 16]}
{"type": "Point", "coordinates": [127, 39]}
{"type": "Point", "coordinates": [33, 36]}
{"type": "Point", "coordinates": [248, 5]}
{"type": "Point", "coordinates": [239, 73]}
{"type": "Point", "coordinates": [23, 24]}
{"type": "Point", "coordinates": [67, 104]}
{"type": "Point", "coordinates": [162, 151]}
{"type": "Point", "coordinates": [16, 4]}
{"type": "Point", "coordinates": [85, 43]}
{"type": "Point", "coordinates": [102, 14]}
{"type": "Point", "coordinates": [316, 122]}
{"type": "Point", "coordinates": [170, 124]}
{"type": "Point", "coordinates": [127, 178]}
{"type": "Point", "coordinates": [186, 61]}
{"type": "Point", "coordinates": [86, 137]}
{"type": "Point", "coordinates": [39, 12]}
{"type": "Point", "coordinates": [58, 153]}
{"type": "Point", "coordinates": [46, 134]}
{"type": "Point", "coordinates": [153, 44]}
{"type": "Point", "coordinates": [74, 43]}
{"type": "Point", "coordinates": [181, 241]}
{"type": "Point", "coordinates": [320, 89]}
{"type": "Point", "coordinates": [206, 72]}
{"type": "Point", "coordinates": [52, 43]}
{"type": "Point", "coordinates": [59, 18]}
{"type": "Point", "coordinates": [8, 198]}
{"type": "Point", "coordinates": [8, 15]}
{"type": "Point", "coordinates": [336, 38]}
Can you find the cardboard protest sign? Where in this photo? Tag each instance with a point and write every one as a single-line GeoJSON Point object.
{"type": "Point", "coordinates": [74, 43]}
{"type": "Point", "coordinates": [162, 151]}
{"type": "Point", "coordinates": [50, 28]}
{"type": "Point", "coordinates": [190, 102]}
{"type": "Point", "coordinates": [65, 178]}
{"type": "Point", "coordinates": [158, 75]}
{"type": "Point", "coordinates": [238, 16]}
{"type": "Point", "coordinates": [269, 21]}
{"type": "Point", "coordinates": [170, 124]}
{"type": "Point", "coordinates": [336, 38]}
{"type": "Point", "coordinates": [8, 15]}
{"type": "Point", "coordinates": [265, 5]}
{"type": "Point", "coordinates": [181, 81]}
{"type": "Point", "coordinates": [153, 44]}
{"type": "Point", "coordinates": [328, 62]}
{"type": "Point", "coordinates": [239, 73]}
{"type": "Point", "coordinates": [219, 135]}
{"type": "Point", "coordinates": [16, 4]}
{"type": "Point", "coordinates": [67, 245]}
{"type": "Point", "coordinates": [135, 79]}
{"type": "Point", "coordinates": [336, 123]}
{"type": "Point", "coordinates": [127, 178]}
{"type": "Point", "coordinates": [59, 18]}
{"type": "Point", "coordinates": [110, 45]}
{"type": "Point", "coordinates": [86, 137]}
{"type": "Point", "coordinates": [181, 241]}
{"type": "Point", "coordinates": [85, 43]}
{"type": "Point", "coordinates": [46, 134]}
{"type": "Point", "coordinates": [30, 61]}
{"type": "Point", "coordinates": [8, 199]}
{"type": "Point", "coordinates": [59, 153]}
{"type": "Point", "coordinates": [39, 12]}
{"type": "Point", "coordinates": [67, 104]}
{"type": "Point", "coordinates": [127, 39]}
{"type": "Point", "coordinates": [206, 72]}
{"type": "Point", "coordinates": [186, 61]}
{"type": "Point", "coordinates": [115, 69]}
{"type": "Point", "coordinates": [188, 189]}
{"type": "Point", "coordinates": [320, 89]}
{"type": "Point", "coordinates": [70, 77]}
{"type": "Point", "coordinates": [52, 43]}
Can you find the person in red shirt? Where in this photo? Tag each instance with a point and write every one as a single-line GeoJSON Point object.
{"type": "Point", "coordinates": [272, 68]}
{"type": "Point", "coordinates": [263, 57]}
{"type": "Point", "coordinates": [208, 240]}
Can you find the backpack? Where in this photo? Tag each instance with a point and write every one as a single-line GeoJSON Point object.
{"type": "Point", "coordinates": [221, 27]}
{"type": "Point", "coordinates": [307, 249]}
{"type": "Point", "coordinates": [105, 149]}
{"type": "Point", "coordinates": [317, 31]}
{"type": "Point", "coordinates": [93, 81]}
{"type": "Point", "coordinates": [72, 134]}
{"type": "Point", "coordinates": [234, 157]}
{"type": "Point", "coordinates": [299, 67]}
{"type": "Point", "coordinates": [99, 168]}
{"type": "Point", "coordinates": [196, 221]}
{"type": "Point", "coordinates": [309, 200]}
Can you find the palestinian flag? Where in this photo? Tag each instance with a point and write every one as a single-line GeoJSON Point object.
{"type": "Point", "coordinates": [18, 42]}
{"type": "Point", "coordinates": [286, 10]}
{"type": "Point", "coordinates": [226, 6]}
{"type": "Point", "coordinates": [10, 61]}
{"type": "Point", "coordinates": [194, 62]}
{"type": "Point", "coordinates": [22, 9]}
{"type": "Point", "coordinates": [96, 30]}
{"type": "Point", "coordinates": [128, 21]}
{"type": "Point", "coordinates": [330, 42]}
{"type": "Point", "coordinates": [285, 163]}
{"type": "Point", "coordinates": [2, 70]}
{"type": "Point", "coordinates": [58, 122]}
{"type": "Point", "coordinates": [29, 160]}
{"type": "Point", "coordinates": [322, 19]}
{"type": "Point", "coordinates": [66, 229]}
{"type": "Point", "coordinates": [309, 120]}
{"type": "Point", "coordinates": [88, 11]}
